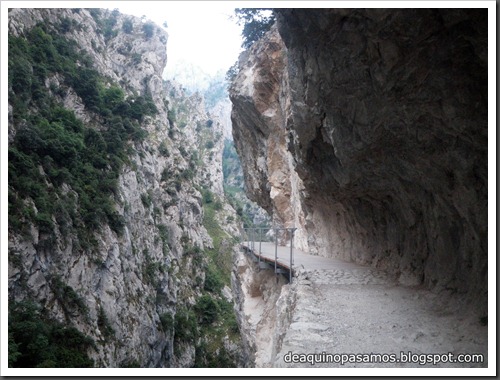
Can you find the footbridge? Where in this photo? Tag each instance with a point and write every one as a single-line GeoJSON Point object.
{"type": "Point", "coordinates": [273, 248]}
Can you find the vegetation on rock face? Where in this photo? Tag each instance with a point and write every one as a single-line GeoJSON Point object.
{"type": "Point", "coordinates": [256, 22]}
{"type": "Point", "coordinates": [63, 176]}
{"type": "Point", "coordinates": [64, 180]}
{"type": "Point", "coordinates": [148, 30]}
{"type": "Point", "coordinates": [213, 314]}
{"type": "Point", "coordinates": [37, 341]}
{"type": "Point", "coordinates": [211, 321]}
{"type": "Point", "coordinates": [53, 148]}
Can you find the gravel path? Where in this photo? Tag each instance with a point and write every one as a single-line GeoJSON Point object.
{"type": "Point", "coordinates": [351, 311]}
{"type": "Point", "coordinates": [344, 308]}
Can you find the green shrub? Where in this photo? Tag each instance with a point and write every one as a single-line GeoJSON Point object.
{"type": "Point", "coordinates": [150, 269]}
{"type": "Point", "coordinates": [68, 298]}
{"type": "Point", "coordinates": [187, 174]}
{"type": "Point", "coordinates": [163, 233]}
{"type": "Point", "coordinates": [163, 149]}
{"type": "Point", "coordinates": [146, 200]}
{"type": "Point", "coordinates": [127, 26]}
{"type": "Point", "coordinates": [112, 97]}
{"type": "Point", "coordinates": [108, 27]}
{"type": "Point", "coordinates": [167, 322]}
{"type": "Point", "coordinates": [37, 341]}
{"type": "Point", "coordinates": [213, 280]}
{"type": "Point", "coordinates": [148, 29]}
{"type": "Point", "coordinates": [205, 357]}
{"type": "Point", "coordinates": [207, 196]}
{"type": "Point", "coordinates": [104, 324]}
{"type": "Point", "coordinates": [185, 325]}
{"type": "Point", "coordinates": [206, 309]}
{"type": "Point", "coordinates": [95, 13]}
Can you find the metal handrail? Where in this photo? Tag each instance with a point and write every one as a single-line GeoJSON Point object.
{"type": "Point", "coordinates": [251, 243]}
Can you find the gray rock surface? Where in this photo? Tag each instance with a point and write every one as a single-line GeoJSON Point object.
{"type": "Point", "coordinates": [261, 309]}
{"type": "Point", "coordinates": [137, 277]}
{"type": "Point", "coordinates": [367, 130]}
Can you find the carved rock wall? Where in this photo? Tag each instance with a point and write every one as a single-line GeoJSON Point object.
{"type": "Point", "coordinates": [383, 118]}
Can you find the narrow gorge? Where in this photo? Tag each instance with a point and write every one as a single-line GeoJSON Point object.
{"type": "Point", "coordinates": [364, 129]}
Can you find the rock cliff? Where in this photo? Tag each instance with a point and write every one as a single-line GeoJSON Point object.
{"type": "Point", "coordinates": [117, 220]}
{"type": "Point", "coordinates": [262, 307]}
{"type": "Point", "coordinates": [367, 130]}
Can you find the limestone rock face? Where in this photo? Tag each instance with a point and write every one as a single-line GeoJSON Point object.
{"type": "Point", "coordinates": [134, 57]}
{"type": "Point", "coordinates": [134, 279]}
{"type": "Point", "coordinates": [263, 307]}
{"type": "Point", "coordinates": [260, 108]}
{"type": "Point", "coordinates": [367, 129]}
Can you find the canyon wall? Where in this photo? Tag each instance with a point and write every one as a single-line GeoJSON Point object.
{"type": "Point", "coordinates": [264, 308]}
{"type": "Point", "coordinates": [367, 130]}
{"type": "Point", "coordinates": [117, 221]}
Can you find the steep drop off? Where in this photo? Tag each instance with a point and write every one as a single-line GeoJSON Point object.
{"type": "Point", "coordinates": [119, 236]}
{"type": "Point", "coordinates": [367, 130]}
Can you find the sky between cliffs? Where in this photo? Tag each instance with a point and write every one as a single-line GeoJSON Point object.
{"type": "Point", "coordinates": [200, 33]}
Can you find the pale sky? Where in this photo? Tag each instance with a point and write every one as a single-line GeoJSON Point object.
{"type": "Point", "coordinates": [200, 33]}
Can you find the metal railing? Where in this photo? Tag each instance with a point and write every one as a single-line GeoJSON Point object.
{"type": "Point", "coordinates": [255, 235]}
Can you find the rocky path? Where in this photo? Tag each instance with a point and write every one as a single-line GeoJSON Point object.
{"type": "Point", "coordinates": [341, 308]}
{"type": "Point", "coordinates": [352, 311]}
